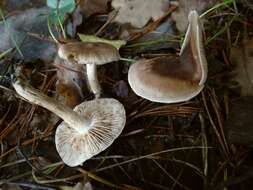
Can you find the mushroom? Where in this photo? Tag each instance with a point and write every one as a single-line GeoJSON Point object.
{"type": "Point", "coordinates": [169, 79]}
{"type": "Point", "coordinates": [91, 54]}
{"type": "Point", "coordinates": [85, 131]}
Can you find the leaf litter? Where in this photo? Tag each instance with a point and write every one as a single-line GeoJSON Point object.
{"type": "Point", "coordinates": [139, 12]}
{"type": "Point", "coordinates": [162, 146]}
{"type": "Point", "coordinates": [242, 58]}
{"type": "Point", "coordinates": [184, 7]}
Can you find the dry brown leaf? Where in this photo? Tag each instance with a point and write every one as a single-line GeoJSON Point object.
{"type": "Point", "coordinates": [139, 12]}
{"type": "Point", "coordinates": [91, 7]}
{"type": "Point", "coordinates": [242, 57]}
{"type": "Point", "coordinates": [184, 7]}
{"type": "Point", "coordinates": [70, 82]}
{"type": "Point", "coordinates": [70, 94]}
{"type": "Point", "coordinates": [15, 5]}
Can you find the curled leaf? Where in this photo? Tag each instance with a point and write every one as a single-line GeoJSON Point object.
{"type": "Point", "coordinates": [91, 38]}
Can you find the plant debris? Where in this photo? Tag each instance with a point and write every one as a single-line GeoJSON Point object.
{"type": "Point", "coordinates": [206, 140]}
{"type": "Point", "coordinates": [90, 38]}
{"type": "Point", "coordinates": [29, 32]}
{"type": "Point", "coordinates": [242, 58]}
{"type": "Point", "coordinates": [184, 7]}
{"type": "Point", "coordinates": [91, 7]}
{"type": "Point", "coordinates": [239, 123]}
{"type": "Point", "coordinates": [139, 12]}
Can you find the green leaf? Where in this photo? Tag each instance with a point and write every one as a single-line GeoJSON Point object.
{"type": "Point", "coordinates": [62, 3]}
{"type": "Point", "coordinates": [52, 4]}
{"type": "Point", "coordinates": [90, 38]}
{"type": "Point", "coordinates": [66, 3]}
{"type": "Point", "coordinates": [58, 12]}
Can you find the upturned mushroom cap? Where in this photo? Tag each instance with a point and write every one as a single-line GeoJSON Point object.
{"type": "Point", "coordinates": [107, 120]}
{"type": "Point", "coordinates": [173, 79]}
{"type": "Point", "coordinates": [88, 52]}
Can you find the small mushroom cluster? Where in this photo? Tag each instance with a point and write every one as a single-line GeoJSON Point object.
{"type": "Point", "coordinates": [91, 126]}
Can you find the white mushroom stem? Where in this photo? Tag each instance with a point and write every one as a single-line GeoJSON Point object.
{"type": "Point", "coordinates": [80, 123]}
{"type": "Point", "coordinates": [91, 70]}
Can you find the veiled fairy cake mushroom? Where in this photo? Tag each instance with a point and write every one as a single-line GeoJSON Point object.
{"type": "Point", "coordinates": [171, 79]}
{"type": "Point", "coordinates": [85, 131]}
{"type": "Point", "coordinates": [91, 54]}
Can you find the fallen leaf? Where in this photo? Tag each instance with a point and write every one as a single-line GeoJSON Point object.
{"type": "Point", "coordinates": [242, 57]}
{"type": "Point", "coordinates": [74, 22]}
{"type": "Point", "coordinates": [16, 5]}
{"type": "Point", "coordinates": [121, 89]}
{"type": "Point", "coordinates": [70, 82]}
{"type": "Point", "coordinates": [91, 38]}
{"type": "Point", "coordinates": [160, 38]}
{"type": "Point", "coordinates": [139, 12]}
{"type": "Point", "coordinates": [29, 31]}
{"type": "Point", "coordinates": [184, 7]}
{"type": "Point", "coordinates": [59, 4]}
{"type": "Point", "coordinates": [71, 94]}
{"type": "Point", "coordinates": [59, 8]}
{"type": "Point", "coordinates": [91, 7]}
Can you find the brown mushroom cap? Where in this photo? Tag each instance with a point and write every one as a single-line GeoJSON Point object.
{"type": "Point", "coordinates": [163, 79]}
{"type": "Point", "coordinates": [173, 79]}
{"type": "Point", "coordinates": [92, 54]}
{"type": "Point", "coordinates": [107, 119]}
{"type": "Point", "coordinates": [98, 53]}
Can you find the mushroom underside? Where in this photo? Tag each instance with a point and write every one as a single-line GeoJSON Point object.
{"type": "Point", "coordinates": [107, 120]}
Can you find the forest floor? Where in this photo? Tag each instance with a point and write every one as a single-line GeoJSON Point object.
{"type": "Point", "coordinates": [204, 143]}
